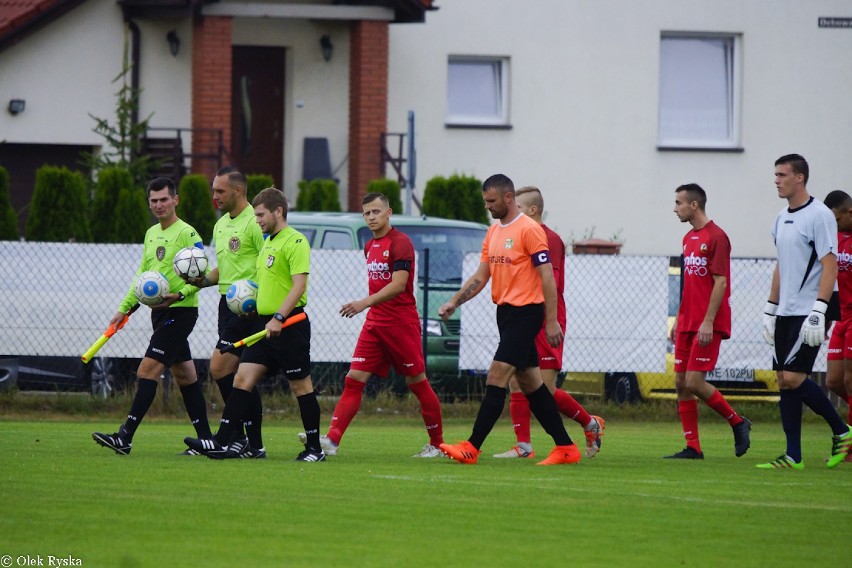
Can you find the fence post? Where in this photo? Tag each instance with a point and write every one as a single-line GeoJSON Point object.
{"type": "Point", "coordinates": [425, 302]}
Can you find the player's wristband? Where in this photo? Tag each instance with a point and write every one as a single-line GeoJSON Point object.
{"type": "Point", "coordinates": [770, 308]}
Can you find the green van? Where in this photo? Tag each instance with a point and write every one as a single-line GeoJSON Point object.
{"type": "Point", "coordinates": [448, 241]}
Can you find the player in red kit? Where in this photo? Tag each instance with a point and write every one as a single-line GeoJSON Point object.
{"type": "Point", "coordinates": [391, 334]}
{"type": "Point", "coordinates": [839, 376]}
{"type": "Point", "coordinates": [703, 321]}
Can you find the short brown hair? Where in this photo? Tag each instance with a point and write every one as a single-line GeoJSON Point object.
{"type": "Point", "coordinates": [694, 192]}
{"type": "Point", "coordinates": [797, 163]}
{"type": "Point", "coordinates": [272, 198]}
{"type": "Point", "coordinates": [160, 183]}
{"type": "Point", "coordinates": [235, 177]}
{"type": "Point", "coordinates": [373, 196]}
{"type": "Point", "coordinates": [500, 182]}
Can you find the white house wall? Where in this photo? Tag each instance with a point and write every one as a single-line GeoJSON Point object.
{"type": "Point", "coordinates": [165, 79]}
{"type": "Point", "coordinates": [583, 95]}
{"type": "Point", "coordinates": [65, 71]}
{"type": "Point", "coordinates": [63, 75]}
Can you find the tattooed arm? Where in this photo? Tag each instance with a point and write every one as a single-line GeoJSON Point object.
{"type": "Point", "coordinates": [471, 288]}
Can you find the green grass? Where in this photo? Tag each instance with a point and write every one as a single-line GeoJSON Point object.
{"type": "Point", "coordinates": [373, 505]}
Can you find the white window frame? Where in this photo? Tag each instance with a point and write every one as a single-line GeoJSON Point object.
{"type": "Point", "coordinates": [499, 118]}
{"type": "Point", "coordinates": [734, 80]}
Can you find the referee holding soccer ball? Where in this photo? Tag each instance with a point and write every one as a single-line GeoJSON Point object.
{"type": "Point", "coordinates": [282, 278]}
{"type": "Point", "coordinates": [238, 240]}
{"type": "Point", "coordinates": [172, 321]}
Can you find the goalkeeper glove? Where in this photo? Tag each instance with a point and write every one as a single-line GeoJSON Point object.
{"type": "Point", "coordinates": [769, 322]}
{"type": "Point", "coordinates": [813, 330]}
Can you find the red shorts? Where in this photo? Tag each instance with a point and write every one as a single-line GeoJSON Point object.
{"type": "Point", "coordinates": [840, 344]}
{"type": "Point", "coordinates": [380, 346]}
{"type": "Point", "coordinates": [689, 356]}
{"type": "Point", "coordinates": [548, 357]}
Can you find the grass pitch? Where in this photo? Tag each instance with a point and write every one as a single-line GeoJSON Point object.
{"type": "Point", "coordinates": [374, 505]}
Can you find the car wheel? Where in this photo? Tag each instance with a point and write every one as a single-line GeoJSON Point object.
{"type": "Point", "coordinates": [103, 377]}
{"type": "Point", "coordinates": [622, 388]}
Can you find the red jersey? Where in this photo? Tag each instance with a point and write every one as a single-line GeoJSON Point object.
{"type": "Point", "coordinates": [557, 261]}
{"type": "Point", "coordinates": [844, 274]}
{"type": "Point", "coordinates": [706, 251]}
{"type": "Point", "coordinates": [385, 256]}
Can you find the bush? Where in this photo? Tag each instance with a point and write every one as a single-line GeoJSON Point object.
{"type": "Point", "coordinates": [104, 219]}
{"type": "Point", "coordinates": [318, 195]}
{"type": "Point", "coordinates": [255, 183]}
{"type": "Point", "coordinates": [59, 208]}
{"type": "Point", "coordinates": [456, 197]}
{"type": "Point", "coordinates": [8, 219]}
{"type": "Point", "coordinates": [196, 205]}
{"type": "Point", "coordinates": [391, 189]}
{"type": "Point", "coordinates": [132, 217]}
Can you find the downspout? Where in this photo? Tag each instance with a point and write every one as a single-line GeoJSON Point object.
{"type": "Point", "coordinates": [134, 61]}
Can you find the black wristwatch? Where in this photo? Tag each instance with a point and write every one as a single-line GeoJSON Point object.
{"type": "Point", "coordinates": [181, 297]}
{"type": "Point", "coordinates": [279, 317]}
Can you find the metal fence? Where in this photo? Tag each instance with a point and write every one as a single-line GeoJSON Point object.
{"type": "Point", "coordinates": [58, 298]}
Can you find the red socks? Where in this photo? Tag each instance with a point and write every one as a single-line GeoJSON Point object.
{"type": "Point", "coordinates": [430, 409]}
{"type": "Point", "coordinates": [346, 409]}
{"type": "Point", "coordinates": [718, 403]}
{"type": "Point", "coordinates": [569, 407]}
{"type": "Point", "coordinates": [519, 410]}
{"type": "Point", "coordinates": [688, 412]}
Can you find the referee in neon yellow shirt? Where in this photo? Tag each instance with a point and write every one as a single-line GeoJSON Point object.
{"type": "Point", "coordinates": [172, 321]}
{"type": "Point", "coordinates": [282, 277]}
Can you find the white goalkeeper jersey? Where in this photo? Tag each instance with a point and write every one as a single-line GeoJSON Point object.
{"type": "Point", "coordinates": [803, 236]}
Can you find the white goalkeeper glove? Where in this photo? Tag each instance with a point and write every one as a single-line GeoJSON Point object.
{"type": "Point", "coordinates": [813, 330]}
{"type": "Point", "coordinates": [769, 322]}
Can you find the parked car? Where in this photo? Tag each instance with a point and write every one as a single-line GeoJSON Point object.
{"type": "Point", "coordinates": [626, 386]}
{"type": "Point", "coordinates": [447, 241]}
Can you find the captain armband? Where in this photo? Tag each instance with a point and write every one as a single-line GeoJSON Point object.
{"type": "Point", "coordinates": [541, 257]}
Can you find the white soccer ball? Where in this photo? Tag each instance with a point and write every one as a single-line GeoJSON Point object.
{"type": "Point", "coordinates": [242, 297]}
{"type": "Point", "coordinates": [190, 262]}
{"type": "Point", "coordinates": [151, 287]}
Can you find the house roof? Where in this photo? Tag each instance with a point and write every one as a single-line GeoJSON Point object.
{"type": "Point", "coordinates": [20, 16]}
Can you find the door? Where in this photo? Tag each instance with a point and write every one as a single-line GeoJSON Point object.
{"type": "Point", "coordinates": [257, 110]}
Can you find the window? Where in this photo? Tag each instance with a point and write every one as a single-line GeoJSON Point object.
{"type": "Point", "coordinates": [309, 233]}
{"type": "Point", "coordinates": [477, 91]}
{"type": "Point", "coordinates": [337, 240]}
{"type": "Point", "coordinates": [699, 91]}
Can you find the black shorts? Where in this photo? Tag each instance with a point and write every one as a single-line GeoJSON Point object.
{"type": "Point", "coordinates": [289, 352]}
{"type": "Point", "coordinates": [170, 342]}
{"type": "Point", "coordinates": [518, 326]}
{"type": "Point", "coordinates": [790, 353]}
{"type": "Point", "coordinates": [232, 327]}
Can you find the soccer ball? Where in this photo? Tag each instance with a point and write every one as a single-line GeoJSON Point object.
{"type": "Point", "coordinates": [242, 297]}
{"type": "Point", "coordinates": [190, 262]}
{"type": "Point", "coordinates": [151, 287]}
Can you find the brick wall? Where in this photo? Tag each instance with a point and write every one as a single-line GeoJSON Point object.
{"type": "Point", "coordinates": [211, 88]}
{"type": "Point", "coordinates": [368, 102]}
